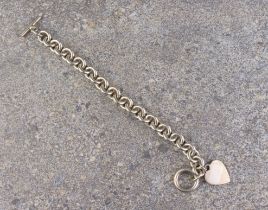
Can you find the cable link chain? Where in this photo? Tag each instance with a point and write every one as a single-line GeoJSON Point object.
{"type": "Point", "coordinates": [196, 162]}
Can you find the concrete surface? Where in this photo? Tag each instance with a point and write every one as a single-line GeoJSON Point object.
{"type": "Point", "coordinates": [201, 66]}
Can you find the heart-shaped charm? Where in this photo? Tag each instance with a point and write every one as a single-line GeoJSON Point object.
{"type": "Point", "coordinates": [217, 173]}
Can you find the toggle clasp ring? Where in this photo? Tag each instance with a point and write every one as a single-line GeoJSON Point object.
{"type": "Point", "coordinates": [183, 172]}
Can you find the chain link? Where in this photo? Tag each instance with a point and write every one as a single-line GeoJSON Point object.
{"type": "Point", "coordinates": [196, 162]}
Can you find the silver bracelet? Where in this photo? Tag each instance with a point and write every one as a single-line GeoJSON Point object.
{"type": "Point", "coordinates": [215, 173]}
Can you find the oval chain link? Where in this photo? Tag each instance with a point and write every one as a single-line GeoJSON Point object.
{"type": "Point", "coordinates": [196, 162]}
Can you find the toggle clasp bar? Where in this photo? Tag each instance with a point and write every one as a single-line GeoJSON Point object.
{"type": "Point", "coordinates": [31, 27]}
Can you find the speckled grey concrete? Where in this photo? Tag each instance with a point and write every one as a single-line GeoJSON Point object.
{"type": "Point", "coordinates": [201, 66]}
